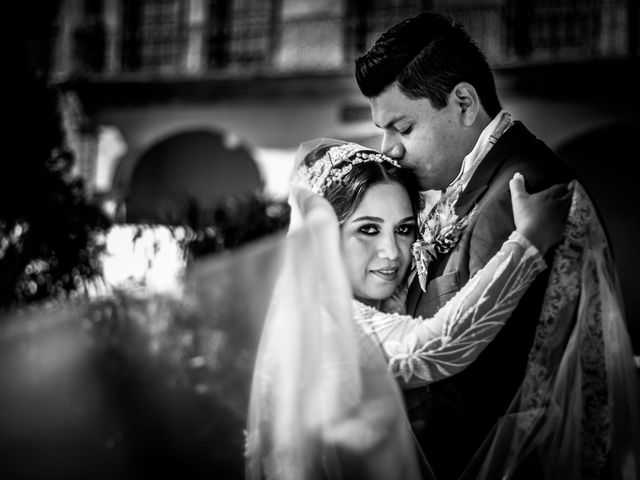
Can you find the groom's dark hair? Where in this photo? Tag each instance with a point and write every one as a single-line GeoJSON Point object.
{"type": "Point", "coordinates": [427, 55]}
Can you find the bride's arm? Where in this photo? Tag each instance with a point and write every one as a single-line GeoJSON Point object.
{"type": "Point", "coordinates": [424, 350]}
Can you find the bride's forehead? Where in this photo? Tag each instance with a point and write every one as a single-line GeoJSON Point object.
{"type": "Point", "coordinates": [388, 197]}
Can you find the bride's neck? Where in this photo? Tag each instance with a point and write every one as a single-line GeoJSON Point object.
{"type": "Point", "coordinates": [372, 303]}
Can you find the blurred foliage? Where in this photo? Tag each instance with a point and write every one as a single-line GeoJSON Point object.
{"type": "Point", "coordinates": [178, 378]}
{"type": "Point", "coordinates": [155, 257]}
{"type": "Point", "coordinates": [49, 231]}
{"type": "Point", "coordinates": [136, 385]}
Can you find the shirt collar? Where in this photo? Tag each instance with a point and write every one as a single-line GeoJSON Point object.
{"type": "Point", "coordinates": [486, 140]}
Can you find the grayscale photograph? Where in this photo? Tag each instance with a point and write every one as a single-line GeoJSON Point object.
{"type": "Point", "coordinates": [320, 240]}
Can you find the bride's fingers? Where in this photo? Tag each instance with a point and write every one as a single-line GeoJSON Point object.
{"type": "Point", "coordinates": [516, 185]}
{"type": "Point", "coordinates": [567, 195]}
{"type": "Point", "coordinates": [565, 201]}
{"type": "Point", "coordinates": [560, 190]}
{"type": "Point", "coordinates": [555, 191]}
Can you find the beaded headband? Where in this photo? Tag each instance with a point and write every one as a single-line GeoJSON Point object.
{"type": "Point", "coordinates": [335, 164]}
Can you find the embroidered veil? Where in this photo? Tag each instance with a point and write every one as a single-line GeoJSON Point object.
{"type": "Point", "coordinates": [576, 413]}
{"type": "Point", "coordinates": [322, 399]}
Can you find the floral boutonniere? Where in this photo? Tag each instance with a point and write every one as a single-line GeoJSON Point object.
{"type": "Point", "coordinates": [439, 233]}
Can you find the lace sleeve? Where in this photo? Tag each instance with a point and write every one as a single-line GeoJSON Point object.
{"type": "Point", "coordinates": [425, 350]}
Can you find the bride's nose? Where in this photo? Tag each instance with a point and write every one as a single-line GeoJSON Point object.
{"type": "Point", "coordinates": [391, 147]}
{"type": "Point", "coordinates": [388, 248]}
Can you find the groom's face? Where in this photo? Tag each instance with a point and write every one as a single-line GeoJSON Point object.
{"type": "Point", "coordinates": [426, 140]}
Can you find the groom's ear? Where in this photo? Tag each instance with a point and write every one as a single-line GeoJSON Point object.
{"type": "Point", "coordinates": [466, 102]}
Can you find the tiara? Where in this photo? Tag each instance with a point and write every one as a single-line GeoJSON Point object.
{"type": "Point", "coordinates": [335, 164]}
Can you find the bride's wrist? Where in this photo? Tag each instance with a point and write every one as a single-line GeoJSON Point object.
{"type": "Point", "coordinates": [532, 239]}
{"type": "Point", "coordinates": [524, 241]}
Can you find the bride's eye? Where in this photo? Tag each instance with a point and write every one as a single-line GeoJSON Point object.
{"type": "Point", "coordinates": [369, 229]}
{"type": "Point", "coordinates": [406, 229]}
{"type": "Point", "coordinates": [406, 131]}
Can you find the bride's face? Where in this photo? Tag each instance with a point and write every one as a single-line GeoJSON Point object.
{"type": "Point", "coordinates": [376, 241]}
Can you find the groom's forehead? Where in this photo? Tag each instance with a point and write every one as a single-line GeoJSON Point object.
{"type": "Point", "coordinates": [392, 106]}
{"type": "Point", "coordinates": [385, 113]}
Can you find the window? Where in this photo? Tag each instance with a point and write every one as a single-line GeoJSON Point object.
{"type": "Point", "coordinates": [161, 30]}
{"type": "Point", "coordinates": [153, 34]}
{"type": "Point", "coordinates": [368, 19]}
{"type": "Point", "coordinates": [89, 38]}
{"type": "Point", "coordinates": [241, 32]}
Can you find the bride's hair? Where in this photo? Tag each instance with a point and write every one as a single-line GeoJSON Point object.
{"type": "Point", "coordinates": [345, 195]}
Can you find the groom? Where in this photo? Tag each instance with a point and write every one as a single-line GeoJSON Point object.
{"type": "Point", "coordinates": [432, 93]}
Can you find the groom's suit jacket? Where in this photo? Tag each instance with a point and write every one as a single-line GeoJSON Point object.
{"type": "Point", "coordinates": [451, 417]}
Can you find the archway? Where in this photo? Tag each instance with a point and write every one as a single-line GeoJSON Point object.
{"type": "Point", "coordinates": [190, 167]}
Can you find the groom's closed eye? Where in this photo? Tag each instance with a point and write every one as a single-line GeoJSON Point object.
{"type": "Point", "coordinates": [404, 130]}
{"type": "Point", "coordinates": [392, 123]}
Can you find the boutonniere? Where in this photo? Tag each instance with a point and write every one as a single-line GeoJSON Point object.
{"type": "Point", "coordinates": [438, 234]}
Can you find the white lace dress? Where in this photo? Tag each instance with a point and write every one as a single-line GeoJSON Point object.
{"type": "Point", "coordinates": [423, 350]}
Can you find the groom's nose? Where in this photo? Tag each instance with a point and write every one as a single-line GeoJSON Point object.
{"type": "Point", "coordinates": [391, 147]}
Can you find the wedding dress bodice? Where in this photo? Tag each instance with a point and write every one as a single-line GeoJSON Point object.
{"type": "Point", "coordinates": [423, 350]}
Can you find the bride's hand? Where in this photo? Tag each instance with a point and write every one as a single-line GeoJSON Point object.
{"type": "Point", "coordinates": [540, 216]}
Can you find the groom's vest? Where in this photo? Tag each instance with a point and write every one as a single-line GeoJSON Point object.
{"type": "Point", "coordinates": [451, 417]}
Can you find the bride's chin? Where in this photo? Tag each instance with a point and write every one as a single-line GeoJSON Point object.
{"type": "Point", "coordinates": [382, 293]}
{"type": "Point", "coordinates": [375, 292]}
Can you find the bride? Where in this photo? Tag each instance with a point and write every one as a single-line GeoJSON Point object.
{"type": "Point", "coordinates": [324, 404]}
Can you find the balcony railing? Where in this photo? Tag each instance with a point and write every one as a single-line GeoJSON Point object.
{"type": "Point", "coordinates": [509, 34]}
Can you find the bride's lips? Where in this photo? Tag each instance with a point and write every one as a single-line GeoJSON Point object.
{"type": "Point", "coordinates": [389, 274]}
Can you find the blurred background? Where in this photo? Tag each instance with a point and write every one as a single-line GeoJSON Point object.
{"type": "Point", "coordinates": [127, 120]}
{"type": "Point", "coordinates": [167, 100]}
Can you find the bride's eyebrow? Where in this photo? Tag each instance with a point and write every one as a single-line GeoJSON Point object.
{"type": "Point", "coordinates": [367, 219]}
{"type": "Point", "coordinates": [410, 219]}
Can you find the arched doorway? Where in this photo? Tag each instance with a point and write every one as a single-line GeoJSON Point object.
{"type": "Point", "coordinates": [189, 168]}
